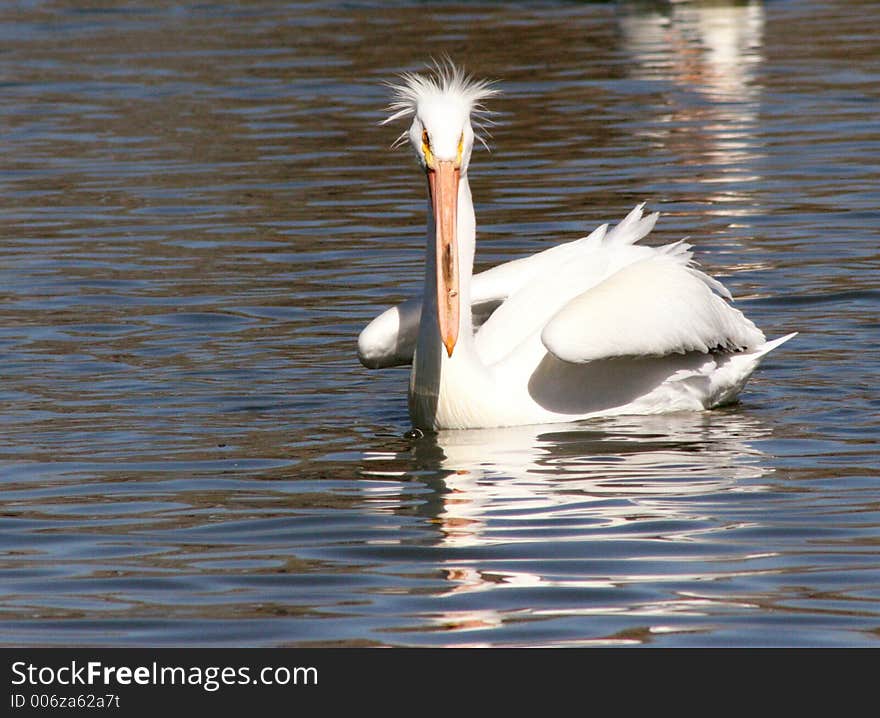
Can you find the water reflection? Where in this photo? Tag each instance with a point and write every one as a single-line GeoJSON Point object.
{"type": "Point", "coordinates": [713, 48]}
{"type": "Point", "coordinates": [539, 470]}
{"type": "Point", "coordinates": [195, 235]}
{"type": "Point", "coordinates": [585, 509]}
{"type": "Point", "coordinates": [711, 52]}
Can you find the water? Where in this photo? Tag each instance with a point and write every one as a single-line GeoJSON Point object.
{"type": "Point", "coordinates": [200, 212]}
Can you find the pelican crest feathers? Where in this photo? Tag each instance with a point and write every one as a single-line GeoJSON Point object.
{"type": "Point", "coordinates": [441, 79]}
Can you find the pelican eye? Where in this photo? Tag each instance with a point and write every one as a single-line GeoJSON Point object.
{"type": "Point", "coordinates": [460, 150]}
{"type": "Point", "coordinates": [426, 149]}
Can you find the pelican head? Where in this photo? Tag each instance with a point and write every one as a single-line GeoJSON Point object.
{"type": "Point", "coordinates": [445, 104]}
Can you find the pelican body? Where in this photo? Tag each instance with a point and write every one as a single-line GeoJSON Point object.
{"type": "Point", "coordinates": [598, 326]}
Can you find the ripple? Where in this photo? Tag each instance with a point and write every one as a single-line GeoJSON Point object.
{"type": "Point", "coordinates": [201, 213]}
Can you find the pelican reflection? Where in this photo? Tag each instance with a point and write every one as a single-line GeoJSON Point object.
{"type": "Point", "coordinates": [601, 473]}
{"type": "Point", "coordinates": [486, 484]}
{"type": "Point", "coordinates": [576, 506]}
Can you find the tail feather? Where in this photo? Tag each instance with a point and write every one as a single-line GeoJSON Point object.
{"type": "Point", "coordinates": [768, 347]}
{"type": "Point", "coordinates": [729, 380]}
{"type": "Point", "coordinates": [633, 227]}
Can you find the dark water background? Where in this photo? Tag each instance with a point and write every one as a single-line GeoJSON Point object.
{"type": "Point", "coordinates": [199, 212]}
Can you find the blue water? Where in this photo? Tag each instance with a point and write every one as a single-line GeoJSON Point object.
{"type": "Point", "coordinates": [200, 212]}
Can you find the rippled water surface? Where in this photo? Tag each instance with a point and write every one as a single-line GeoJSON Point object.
{"type": "Point", "coordinates": [199, 213]}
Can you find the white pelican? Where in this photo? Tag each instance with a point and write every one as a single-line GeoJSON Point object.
{"type": "Point", "coordinates": [598, 326]}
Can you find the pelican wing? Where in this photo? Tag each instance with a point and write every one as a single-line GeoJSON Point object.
{"type": "Point", "coordinates": [563, 273]}
{"type": "Point", "coordinates": [390, 339]}
{"type": "Point", "coordinates": [655, 306]}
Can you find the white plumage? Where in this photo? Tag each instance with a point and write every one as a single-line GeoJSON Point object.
{"type": "Point", "coordinates": [598, 326]}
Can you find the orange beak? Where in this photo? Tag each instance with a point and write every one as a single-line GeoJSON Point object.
{"type": "Point", "coordinates": [443, 182]}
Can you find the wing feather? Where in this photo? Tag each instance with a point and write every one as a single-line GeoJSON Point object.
{"type": "Point", "coordinates": [598, 297]}
{"type": "Point", "coordinates": [390, 339]}
{"type": "Point", "coordinates": [652, 307]}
